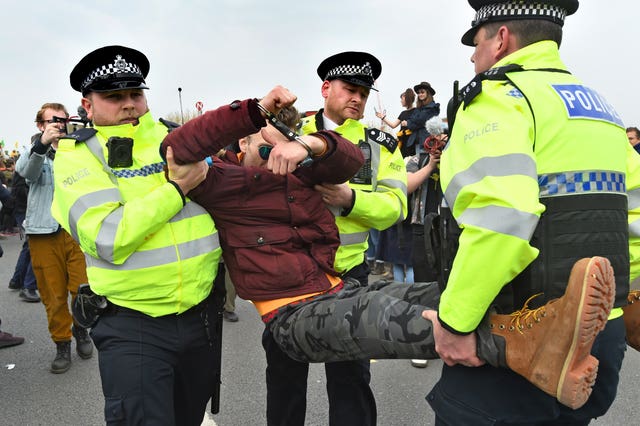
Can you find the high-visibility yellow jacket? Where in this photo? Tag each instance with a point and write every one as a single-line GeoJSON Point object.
{"type": "Point", "coordinates": [380, 188]}
{"type": "Point", "coordinates": [144, 249]}
{"type": "Point", "coordinates": [536, 173]}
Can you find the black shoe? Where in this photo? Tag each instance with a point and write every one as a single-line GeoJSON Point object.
{"type": "Point", "coordinates": [8, 339]}
{"type": "Point", "coordinates": [29, 295]}
{"type": "Point", "coordinates": [84, 344]}
{"type": "Point", "coordinates": [14, 285]}
{"type": "Point", "coordinates": [230, 316]}
{"type": "Point", "coordinates": [62, 362]}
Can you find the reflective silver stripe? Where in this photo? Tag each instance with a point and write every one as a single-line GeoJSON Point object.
{"type": "Point", "coordinates": [94, 145]}
{"type": "Point", "coordinates": [394, 183]}
{"type": "Point", "coordinates": [634, 228]}
{"type": "Point", "coordinates": [504, 165]}
{"type": "Point", "coordinates": [191, 209]}
{"type": "Point", "coordinates": [105, 241]}
{"type": "Point", "coordinates": [634, 199]}
{"type": "Point", "coordinates": [349, 239]}
{"type": "Point", "coordinates": [375, 162]}
{"type": "Point", "coordinates": [503, 220]}
{"type": "Point", "coordinates": [87, 201]}
{"type": "Point", "coordinates": [160, 256]}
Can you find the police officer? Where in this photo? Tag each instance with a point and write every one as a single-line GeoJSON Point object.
{"type": "Point", "coordinates": [149, 250]}
{"type": "Point", "coordinates": [376, 197]}
{"type": "Point", "coordinates": [525, 179]}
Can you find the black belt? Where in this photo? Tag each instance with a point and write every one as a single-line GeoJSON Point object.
{"type": "Point", "coordinates": [113, 309]}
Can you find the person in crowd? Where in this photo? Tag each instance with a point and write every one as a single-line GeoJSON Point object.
{"type": "Point", "coordinates": [406, 100]}
{"type": "Point", "coordinates": [56, 259]}
{"type": "Point", "coordinates": [426, 196]}
{"type": "Point", "coordinates": [23, 278]}
{"type": "Point", "coordinates": [425, 108]}
{"type": "Point", "coordinates": [424, 188]}
{"type": "Point", "coordinates": [260, 196]}
{"type": "Point", "coordinates": [7, 221]}
{"type": "Point", "coordinates": [524, 200]}
{"type": "Point", "coordinates": [633, 134]}
{"type": "Point", "coordinates": [8, 339]}
{"type": "Point", "coordinates": [150, 251]}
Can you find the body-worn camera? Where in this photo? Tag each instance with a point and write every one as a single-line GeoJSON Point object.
{"type": "Point", "coordinates": [120, 151]}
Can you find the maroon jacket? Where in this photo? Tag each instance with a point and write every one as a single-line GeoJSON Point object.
{"type": "Point", "coordinates": [278, 238]}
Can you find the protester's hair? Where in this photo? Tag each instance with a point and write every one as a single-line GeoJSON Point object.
{"type": "Point", "coordinates": [289, 116]}
{"type": "Point", "coordinates": [635, 130]}
{"type": "Point", "coordinates": [527, 31]}
{"type": "Point", "coordinates": [434, 126]}
{"type": "Point", "coordinates": [50, 105]}
{"type": "Point", "coordinates": [409, 97]}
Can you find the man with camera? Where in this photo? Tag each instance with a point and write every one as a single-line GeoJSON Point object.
{"type": "Point", "coordinates": [57, 261]}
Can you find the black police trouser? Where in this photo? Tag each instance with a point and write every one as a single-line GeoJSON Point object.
{"type": "Point", "coordinates": [155, 371]}
{"type": "Point", "coordinates": [497, 396]}
{"type": "Point", "coordinates": [351, 401]}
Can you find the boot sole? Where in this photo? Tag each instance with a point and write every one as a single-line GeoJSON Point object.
{"type": "Point", "coordinates": [60, 370]}
{"type": "Point", "coordinates": [580, 368]}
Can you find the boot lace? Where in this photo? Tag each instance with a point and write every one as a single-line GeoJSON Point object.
{"type": "Point", "coordinates": [525, 317]}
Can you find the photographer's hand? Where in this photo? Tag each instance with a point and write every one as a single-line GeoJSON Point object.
{"type": "Point", "coordinates": [51, 134]}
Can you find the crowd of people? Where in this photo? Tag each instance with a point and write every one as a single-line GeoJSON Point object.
{"type": "Point", "coordinates": [511, 257]}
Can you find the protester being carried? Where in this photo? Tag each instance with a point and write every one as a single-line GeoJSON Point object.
{"type": "Point", "coordinates": [279, 242]}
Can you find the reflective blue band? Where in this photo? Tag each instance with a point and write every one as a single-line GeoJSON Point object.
{"type": "Point", "coordinates": [144, 171]}
{"type": "Point", "coordinates": [581, 182]}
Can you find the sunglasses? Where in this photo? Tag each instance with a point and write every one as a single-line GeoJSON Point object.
{"type": "Point", "coordinates": [264, 151]}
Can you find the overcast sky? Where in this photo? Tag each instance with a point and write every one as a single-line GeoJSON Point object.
{"type": "Point", "coordinates": [221, 50]}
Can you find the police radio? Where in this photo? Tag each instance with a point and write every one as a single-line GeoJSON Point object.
{"type": "Point", "coordinates": [363, 177]}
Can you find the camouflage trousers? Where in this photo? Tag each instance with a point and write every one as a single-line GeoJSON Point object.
{"type": "Point", "coordinates": [382, 320]}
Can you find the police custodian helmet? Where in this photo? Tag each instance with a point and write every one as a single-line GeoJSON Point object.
{"type": "Point", "coordinates": [359, 68]}
{"type": "Point", "coordinates": [110, 68]}
{"type": "Point", "coordinates": [510, 10]}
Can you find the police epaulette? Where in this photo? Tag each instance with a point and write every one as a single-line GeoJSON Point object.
{"type": "Point", "coordinates": [82, 135]}
{"type": "Point", "coordinates": [474, 88]}
{"type": "Point", "coordinates": [382, 138]}
{"type": "Point", "coordinates": [170, 124]}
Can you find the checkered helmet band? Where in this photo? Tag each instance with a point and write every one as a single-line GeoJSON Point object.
{"type": "Point", "coordinates": [351, 70]}
{"type": "Point", "coordinates": [119, 66]}
{"type": "Point", "coordinates": [521, 10]}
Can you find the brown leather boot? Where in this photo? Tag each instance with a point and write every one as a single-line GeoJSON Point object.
{"type": "Point", "coordinates": [550, 346]}
{"type": "Point", "coordinates": [632, 319]}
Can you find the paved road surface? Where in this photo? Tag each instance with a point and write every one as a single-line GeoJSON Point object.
{"type": "Point", "coordinates": [30, 395]}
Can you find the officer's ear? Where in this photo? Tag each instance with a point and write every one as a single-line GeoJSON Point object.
{"type": "Point", "coordinates": [87, 104]}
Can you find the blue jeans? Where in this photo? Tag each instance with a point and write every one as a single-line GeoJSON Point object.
{"type": "Point", "coordinates": [403, 273]}
{"type": "Point", "coordinates": [372, 251]}
{"type": "Point", "coordinates": [23, 273]}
